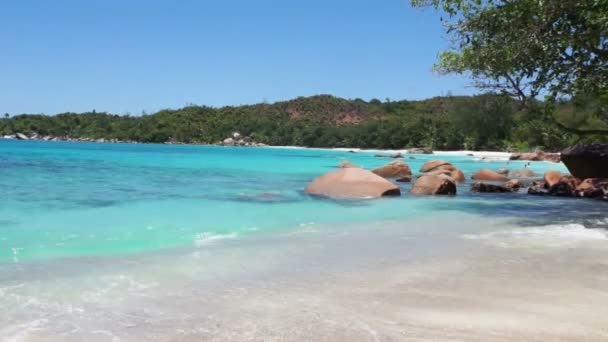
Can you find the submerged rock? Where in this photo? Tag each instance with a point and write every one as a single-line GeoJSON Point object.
{"type": "Point", "coordinates": [587, 161]}
{"type": "Point", "coordinates": [434, 185]}
{"type": "Point", "coordinates": [483, 187]}
{"type": "Point", "coordinates": [395, 156]}
{"type": "Point", "coordinates": [489, 175]}
{"type": "Point", "coordinates": [346, 164]}
{"type": "Point", "coordinates": [523, 173]}
{"type": "Point", "coordinates": [396, 169]}
{"type": "Point", "coordinates": [352, 183]}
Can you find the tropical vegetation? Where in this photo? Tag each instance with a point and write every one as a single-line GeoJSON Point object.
{"type": "Point", "coordinates": [482, 122]}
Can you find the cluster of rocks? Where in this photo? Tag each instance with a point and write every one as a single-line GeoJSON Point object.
{"type": "Point", "coordinates": [556, 184]}
{"type": "Point", "coordinates": [351, 181]}
{"type": "Point", "coordinates": [394, 155]}
{"type": "Point", "coordinates": [417, 150]}
{"type": "Point", "coordinates": [397, 170]}
{"type": "Point", "coordinates": [420, 150]}
{"type": "Point", "coordinates": [239, 140]}
{"type": "Point", "coordinates": [536, 156]}
{"type": "Point", "coordinates": [40, 137]}
{"type": "Point", "coordinates": [439, 177]}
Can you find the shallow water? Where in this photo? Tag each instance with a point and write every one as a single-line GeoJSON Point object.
{"type": "Point", "coordinates": [75, 199]}
{"type": "Point", "coordinates": [139, 242]}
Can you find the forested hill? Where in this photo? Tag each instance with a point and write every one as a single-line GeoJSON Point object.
{"type": "Point", "coordinates": [478, 122]}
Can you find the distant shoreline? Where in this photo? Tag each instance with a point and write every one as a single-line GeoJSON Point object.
{"type": "Point", "coordinates": [497, 155]}
{"type": "Point", "coordinates": [486, 155]}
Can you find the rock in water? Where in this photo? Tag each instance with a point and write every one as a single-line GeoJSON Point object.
{"type": "Point", "coordinates": [489, 175]}
{"type": "Point", "coordinates": [441, 167]}
{"type": "Point", "coordinates": [503, 171]}
{"type": "Point", "coordinates": [352, 183]}
{"type": "Point", "coordinates": [593, 188]}
{"type": "Point", "coordinates": [483, 187]}
{"type": "Point", "coordinates": [537, 188]}
{"type": "Point", "coordinates": [587, 161]}
{"type": "Point", "coordinates": [394, 156]}
{"type": "Point", "coordinates": [565, 186]}
{"type": "Point", "coordinates": [536, 156]}
{"type": "Point", "coordinates": [346, 164]}
{"type": "Point", "coordinates": [551, 178]}
{"type": "Point", "coordinates": [458, 175]}
{"type": "Point", "coordinates": [434, 185]}
{"type": "Point", "coordinates": [523, 173]}
{"type": "Point", "coordinates": [396, 169]}
{"type": "Point", "coordinates": [420, 150]}
{"type": "Point", "coordinates": [433, 164]}
{"type": "Point", "coordinates": [513, 185]}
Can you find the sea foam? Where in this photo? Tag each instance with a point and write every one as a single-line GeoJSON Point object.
{"type": "Point", "coordinates": [550, 235]}
{"type": "Point", "coordinates": [208, 238]}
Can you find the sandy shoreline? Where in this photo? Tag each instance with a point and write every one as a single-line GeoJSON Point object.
{"type": "Point", "coordinates": [403, 283]}
{"type": "Point", "coordinates": [496, 155]}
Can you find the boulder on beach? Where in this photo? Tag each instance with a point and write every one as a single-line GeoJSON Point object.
{"type": "Point", "coordinates": [551, 178]}
{"type": "Point", "coordinates": [396, 169]}
{"type": "Point", "coordinates": [489, 175]}
{"type": "Point", "coordinates": [21, 136]}
{"type": "Point", "coordinates": [352, 183]}
{"type": "Point", "coordinates": [433, 164]}
{"type": "Point", "coordinates": [346, 164]}
{"type": "Point", "coordinates": [483, 187]}
{"type": "Point", "coordinates": [587, 161]}
{"type": "Point", "coordinates": [536, 156]}
{"type": "Point", "coordinates": [434, 185]}
{"type": "Point", "coordinates": [523, 173]}
{"type": "Point", "coordinates": [420, 150]}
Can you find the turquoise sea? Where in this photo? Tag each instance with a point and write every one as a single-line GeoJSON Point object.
{"type": "Point", "coordinates": [113, 242]}
{"type": "Point", "coordinates": [83, 199]}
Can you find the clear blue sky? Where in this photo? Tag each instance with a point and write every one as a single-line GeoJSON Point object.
{"type": "Point", "coordinates": [132, 55]}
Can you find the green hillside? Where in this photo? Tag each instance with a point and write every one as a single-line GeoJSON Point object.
{"type": "Point", "coordinates": [477, 122]}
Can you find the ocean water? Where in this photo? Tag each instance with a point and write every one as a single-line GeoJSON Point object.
{"type": "Point", "coordinates": [82, 199]}
{"type": "Point", "coordinates": [111, 242]}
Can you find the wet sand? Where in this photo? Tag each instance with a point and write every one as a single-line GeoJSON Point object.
{"type": "Point", "coordinates": [346, 285]}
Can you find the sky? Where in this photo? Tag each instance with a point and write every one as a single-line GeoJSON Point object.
{"type": "Point", "coordinates": [129, 56]}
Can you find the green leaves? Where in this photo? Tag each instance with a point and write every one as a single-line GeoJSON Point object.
{"type": "Point", "coordinates": [527, 48]}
